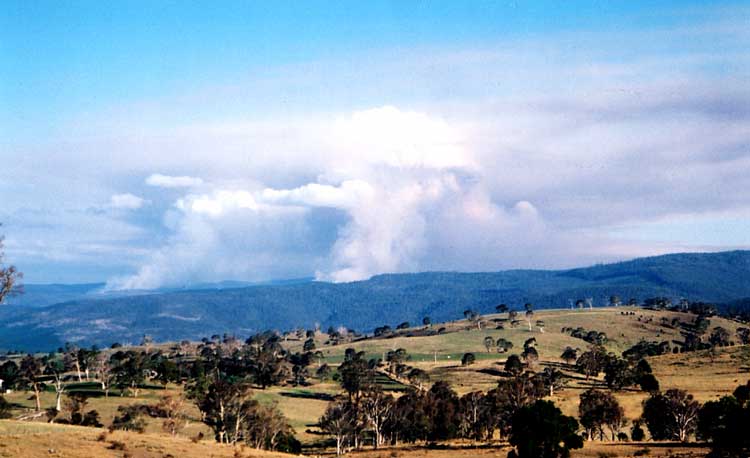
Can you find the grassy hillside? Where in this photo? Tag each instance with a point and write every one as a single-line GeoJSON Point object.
{"type": "Point", "coordinates": [441, 354]}
{"type": "Point", "coordinates": [384, 299]}
{"type": "Point", "coordinates": [42, 440]}
{"type": "Point", "coordinates": [706, 374]}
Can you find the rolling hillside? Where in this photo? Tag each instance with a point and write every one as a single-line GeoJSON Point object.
{"type": "Point", "coordinates": [384, 299]}
{"type": "Point", "coordinates": [705, 374]}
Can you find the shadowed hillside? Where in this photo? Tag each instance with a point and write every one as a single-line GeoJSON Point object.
{"type": "Point", "coordinates": [384, 299]}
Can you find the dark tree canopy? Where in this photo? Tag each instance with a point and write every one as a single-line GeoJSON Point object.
{"type": "Point", "coordinates": [542, 431]}
{"type": "Point", "coordinates": [468, 359]}
{"type": "Point", "coordinates": [569, 355]}
{"type": "Point", "coordinates": [513, 364]}
{"type": "Point", "coordinates": [724, 424]}
{"type": "Point", "coordinates": [598, 409]}
{"type": "Point", "coordinates": [672, 415]}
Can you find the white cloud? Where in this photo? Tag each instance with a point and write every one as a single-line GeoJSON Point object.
{"type": "Point", "coordinates": [350, 194]}
{"type": "Point", "coordinates": [219, 203]}
{"type": "Point", "coordinates": [524, 186]}
{"type": "Point", "coordinates": [222, 235]}
{"type": "Point", "coordinates": [126, 201]}
{"type": "Point", "coordinates": [167, 181]}
{"type": "Point", "coordinates": [403, 182]}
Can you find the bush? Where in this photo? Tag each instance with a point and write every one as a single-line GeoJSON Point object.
{"type": "Point", "coordinates": [5, 408]}
{"type": "Point", "coordinates": [129, 419]}
{"type": "Point", "coordinates": [636, 432]}
{"type": "Point", "coordinates": [468, 359]}
{"type": "Point", "coordinates": [91, 418]}
{"type": "Point", "coordinates": [117, 445]}
{"type": "Point", "coordinates": [649, 383]}
{"type": "Point", "coordinates": [289, 444]}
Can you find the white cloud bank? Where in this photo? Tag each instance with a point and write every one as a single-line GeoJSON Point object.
{"type": "Point", "coordinates": [390, 175]}
{"type": "Point", "coordinates": [399, 190]}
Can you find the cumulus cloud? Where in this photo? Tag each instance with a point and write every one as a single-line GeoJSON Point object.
{"type": "Point", "coordinates": [167, 181]}
{"type": "Point", "coordinates": [126, 201]}
{"type": "Point", "coordinates": [388, 174]}
{"type": "Point", "coordinates": [223, 235]}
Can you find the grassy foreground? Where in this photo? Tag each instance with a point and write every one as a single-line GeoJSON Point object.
{"type": "Point", "coordinates": [37, 440]}
{"type": "Point", "coordinates": [706, 374]}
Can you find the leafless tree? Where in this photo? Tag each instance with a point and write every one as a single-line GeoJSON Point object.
{"type": "Point", "coordinates": [104, 372]}
{"type": "Point", "coordinates": [377, 407]}
{"type": "Point", "coordinates": [175, 416]}
{"type": "Point", "coordinates": [10, 277]}
{"type": "Point", "coordinates": [72, 359]}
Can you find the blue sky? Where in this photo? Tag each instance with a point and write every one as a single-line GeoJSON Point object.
{"type": "Point", "coordinates": [59, 58]}
{"type": "Point", "coordinates": [344, 139]}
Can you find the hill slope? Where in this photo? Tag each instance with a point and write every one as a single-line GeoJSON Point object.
{"type": "Point", "coordinates": [384, 299]}
{"type": "Point", "coordinates": [42, 440]}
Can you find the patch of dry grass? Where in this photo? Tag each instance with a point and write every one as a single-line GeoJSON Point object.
{"type": "Point", "coordinates": [37, 440]}
{"type": "Point", "coordinates": [590, 450]}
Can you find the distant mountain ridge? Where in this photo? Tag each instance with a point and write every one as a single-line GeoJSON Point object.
{"type": "Point", "coordinates": [41, 295]}
{"type": "Point", "coordinates": [383, 299]}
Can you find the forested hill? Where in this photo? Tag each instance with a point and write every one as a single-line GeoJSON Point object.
{"type": "Point", "coordinates": [384, 299]}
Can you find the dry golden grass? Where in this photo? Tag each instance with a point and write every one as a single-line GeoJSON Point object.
{"type": "Point", "coordinates": [303, 412]}
{"type": "Point", "coordinates": [590, 450]}
{"type": "Point", "coordinates": [107, 407]}
{"type": "Point", "coordinates": [36, 440]}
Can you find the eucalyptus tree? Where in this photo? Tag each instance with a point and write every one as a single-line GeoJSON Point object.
{"type": "Point", "coordinates": [489, 342]}
{"type": "Point", "coordinates": [31, 370]}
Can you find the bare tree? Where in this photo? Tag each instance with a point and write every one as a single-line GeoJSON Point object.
{"type": "Point", "coordinates": [10, 277]}
{"type": "Point", "coordinates": [529, 317]}
{"type": "Point", "coordinates": [377, 407]}
{"type": "Point", "coordinates": [72, 358]}
{"type": "Point", "coordinates": [57, 368]}
{"type": "Point", "coordinates": [175, 416]}
{"type": "Point", "coordinates": [104, 371]}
